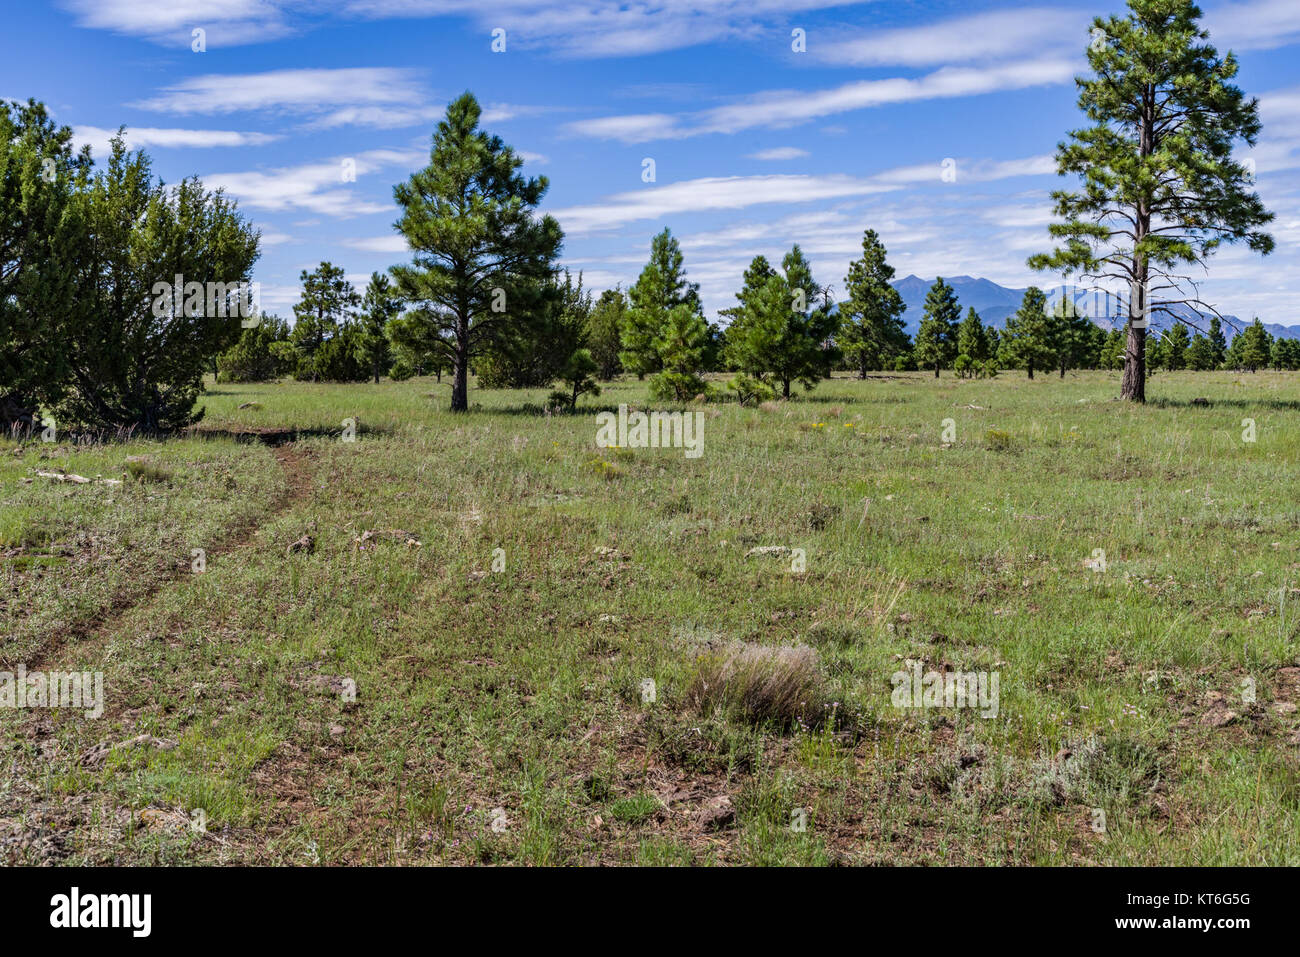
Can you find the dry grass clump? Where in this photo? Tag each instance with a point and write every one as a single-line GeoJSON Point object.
{"type": "Point", "coordinates": [140, 469]}
{"type": "Point", "coordinates": [783, 686]}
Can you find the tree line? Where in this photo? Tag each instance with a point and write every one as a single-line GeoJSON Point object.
{"type": "Point", "coordinates": [82, 249]}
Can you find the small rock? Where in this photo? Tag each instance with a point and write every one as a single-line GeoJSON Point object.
{"type": "Point", "coordinates": [716, 814]}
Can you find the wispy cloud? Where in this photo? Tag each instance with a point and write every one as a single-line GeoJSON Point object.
{"type": "Point", "coordinates": [1254, 24]}
{"type": "Point", "coordinates": [738, 192]}
{"type": "Point", "coordinates": [138, 137]}
{"type": "Point", "coordinates": [785, 108]}
{"type": "Point", "coordinates": [607, 28]}
{"type": "Point", "coordinates": [592, 29]}
{"type": "Point", "coordinates": [710, 193]}
{"type": "Point", "coordinates": [981, 37]}
{"type": "Point", "coordinates": [225, 22]}
{"type": "Point", "coordinates": [779, 153]}
{"type": "Point", "coordinates": [323, 187]}
{"type": "Point", "coordinates": [378, 244]}
{"type": "Point", "coordinates": [322, 92]}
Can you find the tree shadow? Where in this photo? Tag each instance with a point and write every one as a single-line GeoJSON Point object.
{"type": "Point", "coordinates": [1281, 405]}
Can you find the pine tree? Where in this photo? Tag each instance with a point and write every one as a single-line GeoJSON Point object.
{"type": "Point", "coordinates": [680, 349]}
{"type": "Point", "coordinates": [1161, 188]}
{"type": "Point", "coordinates": [255, 358]}
{"type": "Point", "coordinates": [379, 306]}
{"type": "Point", "coordinates": [972, 343]}
{"type": "Point", "coordinates": [1255, 347]}
{"type": "Point", "coordinates": [1155, 352]}
{"type": "Point", "coordinates": [327, 302]}
{"type": "Point", "coordinates": [1027, 340]}
{"type": "Point", "coordinates": [779, 331]}
{"type": "Point", "coordinates": [1200, 355]}
{"type": "Point", "coordinates": [1176, 342]}
{"type": "Point", "coordinates": [579, 378]}
{"type": "Point", "coordinates": [1112, 352]}
{"type": "Point", "coordinates": [936, 339]}
{"type": "Point", "coordinates": [481, 256]}
{"type": "Point", "coordinates": [1073, 337]}
{"type": "Point", "coordinates": [660, 288]}
{"type": "Point", "coordinates": [533, 353]}
{"type": "Point", "coordinates": [418, 347]}
{"type": "Point", "coordinates": [1218, 343]}
{"type": "Point", "coordinates": [605, 330]}
{"type": "Point", "coordinates": [872, 332]}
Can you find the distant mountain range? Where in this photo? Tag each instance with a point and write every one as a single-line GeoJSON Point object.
{"type": "Point", "coordinates": [995, 303]}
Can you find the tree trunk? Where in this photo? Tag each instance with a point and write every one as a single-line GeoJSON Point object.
{"type": "Point", "coordinates": [785, 388]}
{"type": "Point", "coordinates": [1062, 368]}
{"type": "Point", "coordinates": [1134, 385]}
{"type": "Point", "coordinates": [1030, 367]}
{"type": "Point", "coordinates": [936, 370]}
{"type": "Point", "coordinates": [460, 383]}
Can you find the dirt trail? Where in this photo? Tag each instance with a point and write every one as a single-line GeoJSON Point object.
{"type": "Point", "coordinates": [86, 634]}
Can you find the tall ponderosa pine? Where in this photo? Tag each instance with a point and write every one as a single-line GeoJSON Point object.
{"type": "Point", "coordinates": [660, 288]}
{"type": "Point", "coordinates": [1161, 189]}
{"type": "Point", "coordinates": [871, 330]}
{"type": "Point", "coordinates": [481, 257]}
{"type": "Point", "coordinates": [136, 358]}
{"type": "Point", "coordinates": [936, 339]}
{"type": "Point", "coordinates": [40, 239]}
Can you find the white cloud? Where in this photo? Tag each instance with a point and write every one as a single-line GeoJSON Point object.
{"type": "Point", "coordinates": [378, 244]}
{"type": "Point", "coordinates": [140, 137]}
{"type": "Point", "coordinates": [737, 192]}
{"type": "Point", "coordinates": [606, 28]}
{"type": "Point", "coordinates": [1254, 25]}
{"type": "Point", "coordinates": [779, 153]}
{"type": "Point", "coordinates": [982, 37]}
{"type": "Point", "coordinates": [710, 193]}
{"type": "Point", "coordinates": [321, 188]}
{"type": "Point", "coordinates": [225, 22]}
{"type": "Point", "coordinates": [594, 28]}
{"type": "Point", "coordinates": [785, 108]}
{"type": "Point", "coordinates": [307, 91]}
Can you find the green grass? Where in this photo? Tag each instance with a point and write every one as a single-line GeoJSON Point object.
{"type": "Point", "coordinates": [1121, 568]}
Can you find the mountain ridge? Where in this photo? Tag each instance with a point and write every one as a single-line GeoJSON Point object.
{"type": "Point", "coordinates": [996, 303]}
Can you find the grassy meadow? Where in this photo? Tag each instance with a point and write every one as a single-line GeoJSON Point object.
{"type": "Point", "coordinates": [432, 644]}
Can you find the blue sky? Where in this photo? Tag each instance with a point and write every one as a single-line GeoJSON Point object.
{"type": "Point", "coordinates": [755, 146]}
